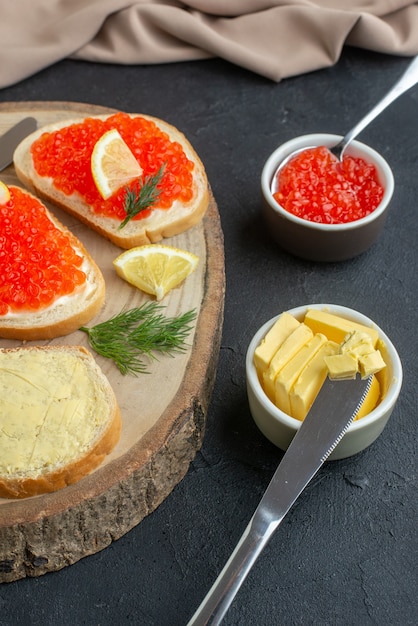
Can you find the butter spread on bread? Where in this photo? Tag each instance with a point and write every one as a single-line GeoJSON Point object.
{"type": "Point", "coordinates": [59, 418]}
{"type": "Point", "coordinates": [39, 298]}
{"type": "Point", "coordinates": [74, 191]}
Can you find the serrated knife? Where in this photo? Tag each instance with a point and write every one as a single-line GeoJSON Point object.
{"type": "Point", "coordinates": [329, 418]}
{"type": "Point", "coordinates": [12, 137]}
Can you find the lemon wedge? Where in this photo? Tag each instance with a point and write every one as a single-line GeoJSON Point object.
{"type": "Point", "coordinates": [4, 193]}
{"type": "Point", "coordinates": [155, 268]}
{"type": "Point", "coordinates": [113, 165]}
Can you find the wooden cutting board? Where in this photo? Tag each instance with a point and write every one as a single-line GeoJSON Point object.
{"type": "Point", "coordinates": [163, 412]}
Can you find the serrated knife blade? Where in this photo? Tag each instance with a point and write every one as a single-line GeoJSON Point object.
{"type": "Point", "coordinates": [326, 423]}
{"type": "Point", "coordinates": [12, 137]}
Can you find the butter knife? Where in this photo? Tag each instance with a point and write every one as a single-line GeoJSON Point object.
{"type": "Point", "coordinates": [12, 137]}
{"type": "Point", "coordinates": [329, 418]}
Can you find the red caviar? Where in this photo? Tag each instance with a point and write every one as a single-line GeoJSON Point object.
{"type": "Point", "coordinates": [65, 156]}
{"type": "Point", "coordinates": [315, 186]}
{"type": "Point", "coordinates": [37, 261]}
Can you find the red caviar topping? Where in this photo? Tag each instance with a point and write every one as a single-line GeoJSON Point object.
{"type": "Point", "coordinates": [65, 156]}
{"type": "Point", "coordinates": [315, 186]}
{"type": "Point", "coordinates": [37, 261]}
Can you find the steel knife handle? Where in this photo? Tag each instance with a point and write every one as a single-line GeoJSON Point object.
{"type": "Point", "coordinates": [219, 598]}
{"type": "Point", "coordinates": [320, 432]}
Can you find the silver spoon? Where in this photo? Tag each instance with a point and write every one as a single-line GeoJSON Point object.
{"type": "Point", "coordinates": [408, 79]}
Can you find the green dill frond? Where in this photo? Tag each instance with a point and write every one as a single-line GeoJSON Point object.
{"type": "Point", "coordinates": [143, 331]}
{"type": "Point", "coordinates": [143, 196]}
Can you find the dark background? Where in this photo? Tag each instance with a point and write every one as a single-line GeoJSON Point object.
{"type": "Point", "coordinates": [346, 554]}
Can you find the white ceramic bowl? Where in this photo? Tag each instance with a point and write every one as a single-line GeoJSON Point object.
{"type": "Point", "coordinates": [280, 428]}
{"type": "Point", "coordinates": [324, 242]}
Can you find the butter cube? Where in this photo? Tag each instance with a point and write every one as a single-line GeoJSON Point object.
{"type": "Point", "coordinates": [371, 363]}
{"type": "Point", "coordinates": [273, 339]}
{"type": "Point", "coordinates": [341, 366]}
{"type": "Point", "coordinates": [290, 346]}
{"type": "Point", "coordinates": [310, 381]}
{"type": "Point", "coordinates": [290, 372]}
{"type": "Point", "coordinates": [335, 327]}
{"type": "Point", "coordinates": [357, 343]}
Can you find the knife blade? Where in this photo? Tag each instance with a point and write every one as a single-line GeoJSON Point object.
{"type": "Point", "coordinates": [12, 137]}
{"type": "Point", "coordinates": [326, 423]}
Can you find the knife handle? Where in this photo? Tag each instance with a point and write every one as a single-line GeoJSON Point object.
{"type": "Point", "coordinates": [317, 436]}
{"type": "Point", "coordinates": [11, 139]}
{"type": "Point", "coordinates": [217, 601]}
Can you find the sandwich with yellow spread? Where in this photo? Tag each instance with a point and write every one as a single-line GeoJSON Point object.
{"type": "Point", "coordinates": [59, 418]}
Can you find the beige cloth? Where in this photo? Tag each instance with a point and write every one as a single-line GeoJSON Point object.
{"type": "Point", "coordinates": [274, 38]}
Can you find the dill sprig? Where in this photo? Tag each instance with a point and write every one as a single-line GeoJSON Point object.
{"type": "Point", "coordinates": [140, 332]}
{"type": "Point", "coordinates": [144, 194]}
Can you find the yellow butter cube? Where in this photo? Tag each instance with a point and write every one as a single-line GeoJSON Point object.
{"type": "Point", "coordinates": [341, 366]}
{"type": "Point", "coordinates": [273, 339]}
{"type": "Point", "coordinates": [290, 372]}
{"type": "Point", "coordinates": [335, 327]}
{"type": "Point", "coordinates": [310, 381]}
{"type": "Point", "coordinates": [371, 363]}
{"type": "Point", "coordinates": [294, 342]}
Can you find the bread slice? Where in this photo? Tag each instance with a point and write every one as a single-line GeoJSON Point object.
{"type": "Point", "coordinates": [68, 312]}
{"type": "Point", "coordinates": [59, 418]}
{"type": "Point", "coordinates": [160, 223]}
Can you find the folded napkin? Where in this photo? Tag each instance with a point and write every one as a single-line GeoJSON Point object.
{"type": "Point", "coordinates": [274, 38]}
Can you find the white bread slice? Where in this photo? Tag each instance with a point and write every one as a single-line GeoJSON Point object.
{"type": "Point", "coordinates": [67, 313]}
{"type": "Point", "coordinates": [159, 224]}
{"type": "Point", "coordinates": [59, 418]}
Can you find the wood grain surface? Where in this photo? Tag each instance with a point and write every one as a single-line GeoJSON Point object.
{"type": "Point", "coordinates": [163, 412]}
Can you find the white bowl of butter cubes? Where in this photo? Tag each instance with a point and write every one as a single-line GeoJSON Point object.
{"type": "Point", "coordinates": [290, 356]}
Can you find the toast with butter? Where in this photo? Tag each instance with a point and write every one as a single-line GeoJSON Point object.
{"type": "Point", "coordinates": [55, 163]}
{"type": "Point", "coordinates": [59, 418]}
{"type": "Point", "coordinates": [49, 283]}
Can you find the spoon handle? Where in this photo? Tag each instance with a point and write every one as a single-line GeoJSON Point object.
{"type": "Point", "coordinates": [408, 79]}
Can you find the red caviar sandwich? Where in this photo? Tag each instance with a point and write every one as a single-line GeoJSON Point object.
{"type": "Point", "coordinates": [49, 283]}
{"type": "Point", "coordinates": [135, 179]}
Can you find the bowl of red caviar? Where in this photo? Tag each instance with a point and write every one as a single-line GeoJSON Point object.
{"type": "Point", "coordinates": [320, 209]}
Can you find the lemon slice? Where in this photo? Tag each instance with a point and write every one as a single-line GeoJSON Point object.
{"type": "Point", "coordinates": [155, 268]}
{"type": "Point", "coordinates": [4, 193]}
{"type": "Point", "coordinates": [113, 165]}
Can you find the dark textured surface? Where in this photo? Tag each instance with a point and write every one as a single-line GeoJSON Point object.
{"type": "Point", "coordinates": [346, 554]}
